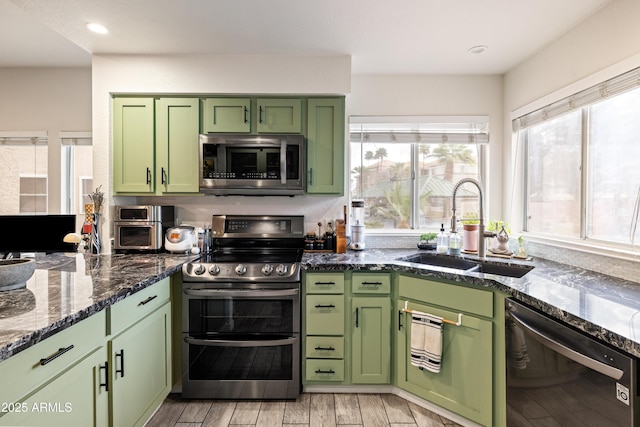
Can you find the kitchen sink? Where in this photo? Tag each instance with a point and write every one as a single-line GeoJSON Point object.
{"type": "Point", "coordinates": [470, 266]}
{"type": "Point", "coordinates": [441, 261]}
{"type": "Point", "coordinates": [508, 270]}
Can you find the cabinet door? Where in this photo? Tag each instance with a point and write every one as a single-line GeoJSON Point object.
{"type": "Point", "coordinates": [78, 397]}
{"type": "Point", "coordinates": [177, 128]}
{"type": "Point", "coordinates": [465, 383]}
{"type": "Point", "coordinates": [226, 115]}
{"type": "Point", "coordinates": [371, 340]}
{"type": "Point", "coordinates": [279, 116]}
{"type": "Point", "coordinates": [325, 146]}
{"type": "Point", "coordinates": [133, 145]}
{"type": "Point", "coordinates": [140, 361]}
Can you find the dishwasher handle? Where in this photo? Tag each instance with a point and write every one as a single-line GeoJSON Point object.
{"type": "Point", "coordinates": [568, 352]}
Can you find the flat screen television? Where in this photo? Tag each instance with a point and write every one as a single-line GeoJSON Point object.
{"type": "Point", "coordinates": [36, 233]}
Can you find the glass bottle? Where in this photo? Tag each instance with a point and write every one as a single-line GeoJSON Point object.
{"type": "Point", "coordinates": [442, 242]}
{"type": "Point", "coordinates": [455, 244]}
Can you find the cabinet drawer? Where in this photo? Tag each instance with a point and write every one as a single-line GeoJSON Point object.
{"type": "Point", "coordinates": [324, 283]}
{"type": "Point", "coordinates": [454, 297]}
{"type": "Point", "coordinates": [137, 306]}
{"type": "Point", "coordinates": [25, 371]}
{"type": "Point", "coordinates": [376, 283]}
{"type": "Point", "coordinates": [325, 347]}
{"type": "Point", "coordinates": [325, 370]}
{"type": "Point", "coordinates": [325, 315]}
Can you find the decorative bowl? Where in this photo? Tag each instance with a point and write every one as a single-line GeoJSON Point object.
{"type": "Point", "coordinates": [14, 273]}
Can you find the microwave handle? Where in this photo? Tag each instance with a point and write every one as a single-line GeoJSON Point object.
{"type": "Point", "coordinates": [283, 162]}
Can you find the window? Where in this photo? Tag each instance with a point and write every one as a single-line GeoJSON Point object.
{"type": "Point", "coordinates": [24, 178]}
{"type": "Point", "coordinates": [77, 169]}
{"type": "Point", "coordinates": [581, 163]}
{"type": "Point", "coordinates": [405, 168]}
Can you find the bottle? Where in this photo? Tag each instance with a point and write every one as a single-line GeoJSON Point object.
{"type": "Point", "coordinates": [455, 244]}
{"type": "Point", "coordinates": [442, 242]}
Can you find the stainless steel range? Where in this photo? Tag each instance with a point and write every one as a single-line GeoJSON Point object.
{"type": "Point", "coordinates": [241, 311]}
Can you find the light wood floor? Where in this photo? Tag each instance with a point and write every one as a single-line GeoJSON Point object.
{"type": "Point", "coordinates": [310, 409]}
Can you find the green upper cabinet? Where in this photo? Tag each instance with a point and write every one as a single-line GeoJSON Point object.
{"type": "Point", "coordinates": [279, 115]}
{"type": "Point", "coordinates": [226, 115]}
{"type": "Point", "coordinates": [133, 145]}
{"type": "Point", "coordinates": [177, 123]}
{"type": "Point", "coordinates": [325, 146]}
{"type": "Point", "coordinates": [155, 145]}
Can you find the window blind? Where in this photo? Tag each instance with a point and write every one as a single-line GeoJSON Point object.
{"type": "Point", "coordinates": [614, 86]}
{"type": "Point", "coordinates": [425, 130]}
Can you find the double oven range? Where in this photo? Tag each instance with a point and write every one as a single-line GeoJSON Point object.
{"type": "Point", "coordinates": [241, 311]}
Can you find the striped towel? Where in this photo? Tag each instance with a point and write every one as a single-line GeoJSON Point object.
{"type": "Point", "coordinates": [426, 341]}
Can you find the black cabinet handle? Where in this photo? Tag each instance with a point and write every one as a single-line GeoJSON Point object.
{"type": "Point", "coordinates": [325, 348]}
{"type": "Point", "coordinates": [106, 376]}
{"type": "Point", "coordinates": [357, 315]}
{"type": "Point", "coordinates": [60, 352]}
{"type": "Point", "coordinates": [325, 306]}
{"type": "Point", "coordinates": [147, 301]}
{"type": "Point", "coordinates": [321, 371]}
{"type": "Point", "coordinates": [163, 176]}
{"type": "Point", "coordinates": [310, 176]}
{"type": "Point", "coordinates": [246, 119]}
{"type": "Point", "coordinates": [325, 283]}
{"type": "Point", "coordinates": [371, 283]}
{"type": "Point", "coordinates": [120, 371]}
{"type": "Point", "coordinates": [260, 116]}
{"type": "Point", "coordinates": [148, 176]}
{"type": "Point", "coordinates": [399, 320]}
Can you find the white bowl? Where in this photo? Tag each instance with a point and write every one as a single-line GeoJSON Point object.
{"type": "Point", "coordinates": [14, 273]}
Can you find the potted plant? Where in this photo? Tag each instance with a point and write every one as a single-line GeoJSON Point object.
{"type": "Point", "coordinates": [427, 241]}
{"type": "Point", "coordinates": [470, 225]}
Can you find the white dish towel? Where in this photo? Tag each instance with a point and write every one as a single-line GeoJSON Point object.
{"type": "Point", "coordinates": [426, 341]}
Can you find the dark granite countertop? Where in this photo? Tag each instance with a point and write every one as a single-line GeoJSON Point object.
{"type": "Point", "coordinates": [68, 287]}
{"type": "Point", "coordinates": [602, 306]}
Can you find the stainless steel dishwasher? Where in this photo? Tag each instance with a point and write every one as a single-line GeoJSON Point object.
{"type": "Point", "coordinates": [557, 375]}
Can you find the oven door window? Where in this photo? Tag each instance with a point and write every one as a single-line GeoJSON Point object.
{"type": "Point", "coordinates": [241, 339]}
{"type": "Point", "coordinates": [133, 237]}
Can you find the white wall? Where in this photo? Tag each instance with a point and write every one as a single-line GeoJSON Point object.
{"type": "Point", "coordinates": [46, 99]}
{"type": "Point", "coordinates": [603, 46]}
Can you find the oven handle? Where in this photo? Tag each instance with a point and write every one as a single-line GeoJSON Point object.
{"type": "Point", "coordinates": [233, 343]}
{"type": "Point", "coordinates": [283, 162]}
{"type": "Point", "coordinates": [567, 352]}
{"type": "Point", "coordinates": [252, 293]}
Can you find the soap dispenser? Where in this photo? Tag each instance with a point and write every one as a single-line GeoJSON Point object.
{"type": "Point", "coordinates": [455, 244]}
{"type": "Point", "coordinates": [442, 242]}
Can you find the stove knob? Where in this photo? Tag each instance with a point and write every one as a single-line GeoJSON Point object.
{"type": "Point", "coordinates": [214, 270]}
{"type": "Point", "coordinates": [199, 269]}
{"type": "Point", "coordinates": [241, 269]}
{"type": "Point", "coordinates": [281, 269]}
{"type": "Point", "coordinates": [267, 269]}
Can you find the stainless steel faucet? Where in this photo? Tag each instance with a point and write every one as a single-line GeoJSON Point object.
{"type": "Point", "coordinates": [481, 233]}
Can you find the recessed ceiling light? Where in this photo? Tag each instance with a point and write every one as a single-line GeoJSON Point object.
{"type": "Point", "coordinates": [97, 28]}
{"type": "Point", "coordinates": [478, 49]}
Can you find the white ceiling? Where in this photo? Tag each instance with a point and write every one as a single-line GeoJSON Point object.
{"type": "Point", "coordinates": [382, 36]}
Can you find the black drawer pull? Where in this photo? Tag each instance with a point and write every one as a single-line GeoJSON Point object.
{"type": "Point", "coordinates": [357, 315]}
{"type": "Point", "coordinates": [60, 352]}
{"type": "Point", "coordinates": [120, 371]}
{"type": "Point", "coordinates": [325, 283]}
{"type": "Point", "coordinates": [147, 301]}
{"type": "Point", "coordinates": [399, 320]}
{"type": "Point", "coordinates": [246, 110]}
{"type": "Point", "coordinates": [325, 306]}
{"type": "Point", "coordinates": [371, 283]}
{"type": "Point", "coordinates": [106, 376]}
{"type": "Point", "coordinates": [320, 371]}
{"type": "Point", "coordinates": [325, 348]}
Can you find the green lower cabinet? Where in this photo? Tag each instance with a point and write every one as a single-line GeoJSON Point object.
{"type": "Point", "coordinates": [370, 340]}
{"type": "Point", "coordinates": [140, 361]}
{"type": "Point", "coordinates": [465, 383]}
{"type": "Point", "coordinates": [77, 397]}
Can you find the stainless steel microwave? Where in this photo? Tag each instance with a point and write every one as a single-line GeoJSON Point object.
{"type": "Point", "coordinates": [252, 164]}
{"type": "Point", "coordinates": [141, 228]}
